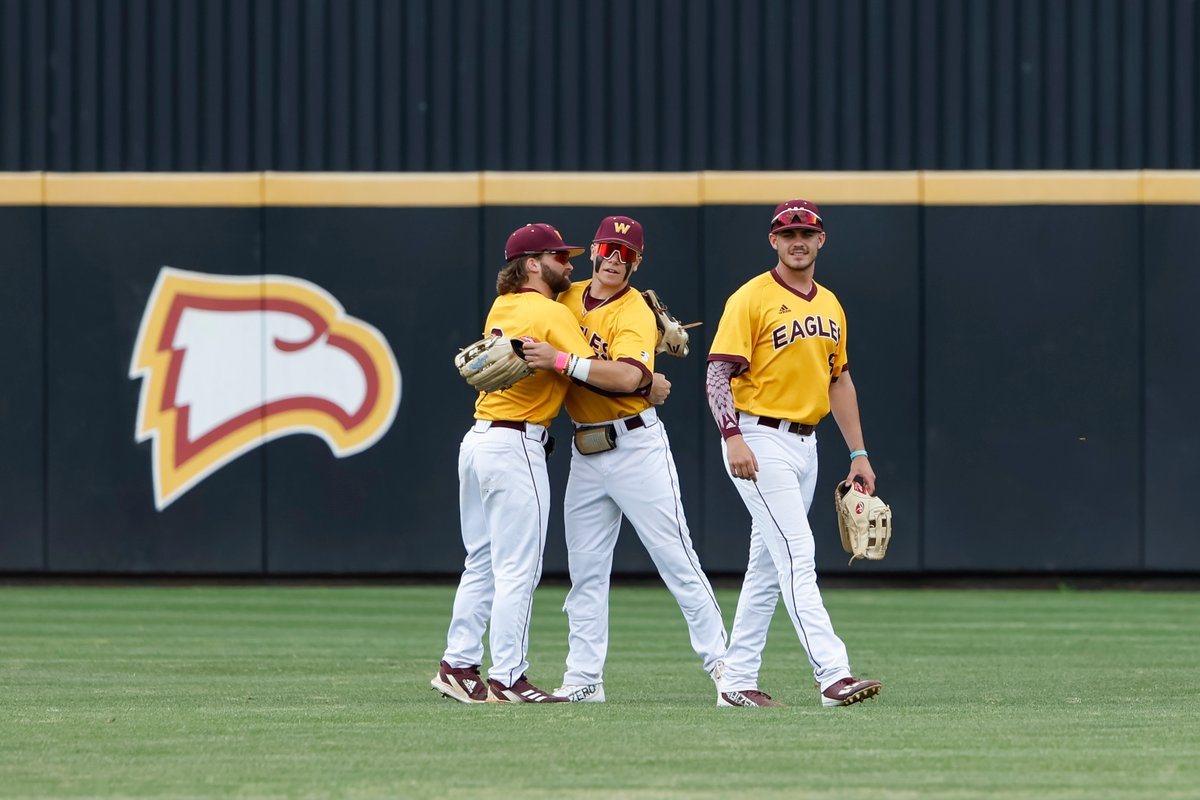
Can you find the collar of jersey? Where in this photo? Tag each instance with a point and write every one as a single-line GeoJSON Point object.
{"type": "Point", "coordinates": [778, 279]}
{"type": "Point", "coordinates": [588, 296]}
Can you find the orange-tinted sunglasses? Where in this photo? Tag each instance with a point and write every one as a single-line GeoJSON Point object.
{"type": "Point", "coordinates": [625, 253]}
{"type": "Point", "coordinates": [561, 256]}
{"type": "Point", "coordinates": [796, 216]}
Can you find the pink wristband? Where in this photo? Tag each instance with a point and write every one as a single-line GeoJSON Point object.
{"type": "Point", "coordinates": [561, 360]}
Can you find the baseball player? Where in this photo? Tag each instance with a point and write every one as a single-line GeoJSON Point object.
{"type": "Point", "coordinates": [777, 366]}
{"type": "Point", "coordinates": [504, 490]}
{"type": "Point", "coordinates": [621, 463]}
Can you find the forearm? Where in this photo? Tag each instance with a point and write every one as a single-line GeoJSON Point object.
{"type": "Point", "coordinates": [843, 403]}
{"type": "Point", "coordinates": [611, 376]}
{"type": "Point", "coordinates": [720, 397]}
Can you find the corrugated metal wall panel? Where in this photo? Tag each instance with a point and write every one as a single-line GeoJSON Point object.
{"type": "Point", "coordinates": [15, 126]}
{"type": "Point", "coordinates": [1185, 80]}
{"type": "Point", "coordinates": [664, 85]}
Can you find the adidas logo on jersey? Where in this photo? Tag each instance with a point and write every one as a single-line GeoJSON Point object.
{"type": "Point", "coordinates": [784, 309]}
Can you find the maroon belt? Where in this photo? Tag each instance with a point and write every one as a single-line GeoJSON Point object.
{"type": "Point", "coordinates": [628, 423]}
{"type": "Point", "coordinates": [792, 427]}
{"type": "Point", "coordinates": [633, 422]}
{"type": "Point", "coordinates": [504, 423]}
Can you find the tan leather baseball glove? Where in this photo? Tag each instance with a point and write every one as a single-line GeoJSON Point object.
{"type": "Point", "coordinates": [493, 363]}
{"type": "Point", "coordinates": [672, 335]}
{"type": "Point", "coordinates": [864, 522]}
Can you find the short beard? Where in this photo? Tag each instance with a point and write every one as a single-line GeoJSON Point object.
{"type": "Point", "coordinates": [557, 281]}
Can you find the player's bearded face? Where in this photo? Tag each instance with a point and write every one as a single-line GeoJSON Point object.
{"type": "Point", "coordinates": [557, 276]}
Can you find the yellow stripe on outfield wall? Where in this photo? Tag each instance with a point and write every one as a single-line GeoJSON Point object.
{"type": "Point", "coordinates": [624, 189]}
{"type": "Point", "coordinates": [383, 189]}
{"type": "Point", "coordinates": [604, 189]}
{"type": "Point", "coordinates": [21, 188]}
{"type": "Point", "coordinates": [1031, 188]}
{"type": "Point", "coordinates": [833, 188]}
{"type": "Point", "coordinates": [1171, 187]}
{"type": "Point", "coordinates": [154, 189]}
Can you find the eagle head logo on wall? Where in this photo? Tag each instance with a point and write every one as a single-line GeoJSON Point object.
{"type": "Point", "coordinates": [228, 363]}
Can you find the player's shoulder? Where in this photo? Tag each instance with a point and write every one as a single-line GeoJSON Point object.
{"type": "Point", "coordinates": [826, 295]}
{"type": "Point", "coordinates": [760, 282]}
{"type": "Point", "coordinates": [575, 292]}
{"type": "Point", "coordinates": [754, 289]}
{"type": "Point", "coordinates": [559, 310]}
{"type": "Point", "coordinates": [634, 299]}
{"type": "Point", "coordinates": [533, 302]}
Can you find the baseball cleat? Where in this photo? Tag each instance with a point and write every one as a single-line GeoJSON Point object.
{"type": "Point", "coordinates": [581, 692]}
{"type": "Point", "coordinates": [717, 670]}
{"type": "Point", "coordinates": [849, 691]}
{"type": "Point", "coordinates": [747, 698]}
{"type": "Point", "coordinates": [462, 684]}
{"type": "Point", "coordinates": [522, 691]}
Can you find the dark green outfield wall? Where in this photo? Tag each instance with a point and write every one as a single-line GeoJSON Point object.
{"type": "Point", "coordinates": [1026, 377]}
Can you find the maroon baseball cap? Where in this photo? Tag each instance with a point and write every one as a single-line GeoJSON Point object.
{"type": "Point", "coordinates": [797, 214]}
{"type": "Point", "coordinates": [537, 237]}
{"type": "Point", "coordinates": [622, 230]}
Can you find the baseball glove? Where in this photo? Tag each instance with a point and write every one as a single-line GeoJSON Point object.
{"type": "Point", "coordinates": [864, 522]}
{"type": "Point", "coordinates": [672, 336]}
{"type": "Point", "coordinates": [493, 363]}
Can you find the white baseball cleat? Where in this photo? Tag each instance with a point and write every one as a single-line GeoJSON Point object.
{"type": "Point", "coordinates": [848, 691]}
{"type": "Point", "coordinates": [581, 692]}
{"type": "Point", "coordinates": [717, 671]}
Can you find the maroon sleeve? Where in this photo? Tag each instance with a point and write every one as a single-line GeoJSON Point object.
{"type": "Point", "coordinates": [644, 369]}
{"type": "Point", "coordinates": [641, 391]}
{"type": "Point", "coordinates": [720, 397]}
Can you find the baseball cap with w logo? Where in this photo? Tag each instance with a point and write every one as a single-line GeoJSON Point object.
{"type": "Point", "coordinates": [621, 230]}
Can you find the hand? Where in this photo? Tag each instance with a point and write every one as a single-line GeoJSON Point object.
{"type": "Point", "coordinates": [861, 467]}
{"type": "Point", "coordinates": [660, 389]}
{"type": "Point", "coordinates": [540, 355]}
{"type": "Point", "coordinates": [742, 463]}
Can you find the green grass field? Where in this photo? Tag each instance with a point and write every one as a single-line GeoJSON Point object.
{"type": "Point", "coordinates": [324, 692]}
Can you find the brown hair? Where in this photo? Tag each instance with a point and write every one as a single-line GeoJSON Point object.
{"type": "Point", "coordinates": [513, 276]}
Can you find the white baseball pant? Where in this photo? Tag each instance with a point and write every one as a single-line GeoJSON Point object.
{"type": "Point", "coordinates": [782, 559]}
{"type": "Point", "coordinates": [637, 478]}
{"type": "Point", "coordinates": [504, 504]}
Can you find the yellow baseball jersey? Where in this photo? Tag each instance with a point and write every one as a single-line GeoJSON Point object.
{"type": "Point", "coordinates": [621, 328]}
{"type": "Point", "coordinates": [538, 398]}
{"type": "Point", "coordinates": [791, 347]}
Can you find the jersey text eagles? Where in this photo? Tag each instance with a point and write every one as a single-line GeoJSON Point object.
{"type": "Point", "coordinates": [811, 325]}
